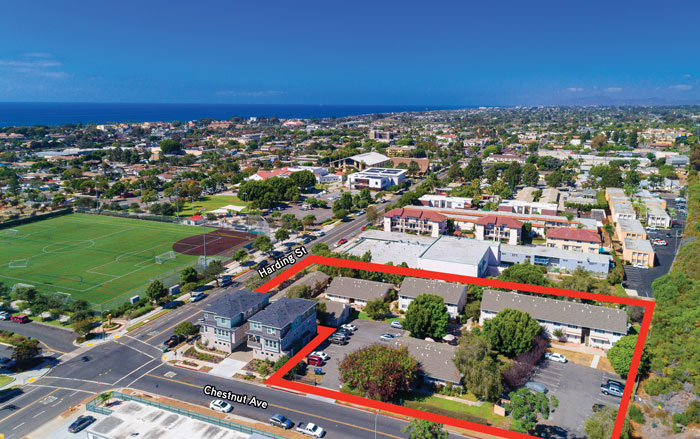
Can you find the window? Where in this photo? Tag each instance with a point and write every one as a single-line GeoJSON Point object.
{"type": "Point", "coordinates": [256, 325]}
{"type": "Point", "coordinates": [270, 330]}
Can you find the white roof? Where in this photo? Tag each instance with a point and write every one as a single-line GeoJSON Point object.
{"type": "Point", "coordinates": [370, 158]}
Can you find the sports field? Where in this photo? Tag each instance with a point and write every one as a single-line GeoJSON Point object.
{"type": "Point", "coordinates": [96, 258]}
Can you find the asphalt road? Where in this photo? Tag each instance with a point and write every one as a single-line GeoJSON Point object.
{"type": "Point", "coordinates": [55, 339]}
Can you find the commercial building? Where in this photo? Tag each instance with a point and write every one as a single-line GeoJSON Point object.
{"type": "Point", "coordinates": [578, 240]}
{"type": "Point", "coordinates": [447, 254]}
{"type": "Point", "coordinates": [356, 292]}
{"type": "Point", "coordinates": [638, 251]}
{"type": "Point", "coordinates": [590, 325]}
{"type": "Point", "coordinates": [362, 161]}
{"type": "Point", "coordinates": [282, 328]}
{"type": "Point", "coordinates": [556, 260]}
{"type": "Point", "coordinates": [376, 178]}
{"type": "Point", "coordinates": [423, 164]}
{"type": "Point", "coordinates": [415, 221]}
{"type": "Point", "coordinates": [443, 201]}
{"type": "Point", "coordinates": [498, 228]}
{"type": "Point", "coordinates": [226, 319]}
{"type": "Point", "coordinates": [454, 295]}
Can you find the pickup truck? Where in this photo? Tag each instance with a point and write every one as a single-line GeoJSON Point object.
{"type": "Point", "coordinates": [310, 429]}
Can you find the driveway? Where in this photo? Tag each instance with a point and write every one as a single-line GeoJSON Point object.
{"type": "Point", "coordinates": [577, 388]}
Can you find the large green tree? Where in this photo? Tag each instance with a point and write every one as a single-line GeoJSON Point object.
{"type": "Point", "coordinates": [526, 406]}
{"type": "Point", "coordinates": [511, 331]}
{"type": "Point", "coordinates": [620, 355]}
{"type": "Point", "coordinates": [303, 179]}
{"type": "Point", "coordinates": [188, 274]}
{"type": "Point", "coordinates": [427, 316]}
{"type": "Point", "coordinates": [481, 372]}
{"type": "Point", "coordinates": [262, 243]}
{"type": "Point", "coordinates": [526, 273]}
{"type": "Point", "coordinates": [601, 424]}
{"type": "Point", "coordinates": [156, 290]}
{"type": "Point", "coordinates": [376, 309]}
{"type": "Point", "coordinates": [474, 169]}
{"type": "Point", "coordinates": [25, 351]}
{"type": "Point", "coordinates": [530, 175]}
{"type": "Point", "coordinates": [422, 429]}
{"type": "Point", "coordinates": [379, 371]}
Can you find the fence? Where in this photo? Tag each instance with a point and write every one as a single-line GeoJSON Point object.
{"type": "Point", "coordinates": [31, 219]}
{"type": "Point", "coordinates": [131, 215]}
{"type": "Point", "coordinates": [92, 406]}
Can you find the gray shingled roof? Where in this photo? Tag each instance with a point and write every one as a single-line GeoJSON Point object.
{"type": "Point", "coordinates": [358, 288]}
{"type": "Point", "coordinates": [561, 311]}
{"type": "Point", "coordinates": [232, 304]}
{"type": "Point", "coordinates": [449, 291]}
{"type": "Point", "coordinates": [435, 358]}
{"type": "Point", "coordinates": [282, 312]}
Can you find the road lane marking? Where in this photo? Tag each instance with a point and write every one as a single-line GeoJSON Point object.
{"type": "Point", "coordinates": [287, 408]}
{"type": "Point", "coordinates": [26, 407]}
{"type": "Point", "coordinates": [173, 325]}
{"type": "Point", "coordinates": [144, 374]}
{"type": "Point", "coordinates": [18, 426]}
{"type": "Point", "coordinates": [39, 414]}
{"type": "Point", "coordinates": [143, 365]}
{"type": "Point", "coordinates": [50, 348]}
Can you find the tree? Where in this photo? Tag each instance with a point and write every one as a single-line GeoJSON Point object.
{"type": "Point", "coordinates": [455, 172]}
{"type": "Point", "coordinates": [303, 179]}
{"type": "Point", "coordinates": [376, 309]}
{"type": "Point", "coordinates": [341, 213]}
{"type": "Point", "coordinates": [512, 174]}
{"type": "Point", "coordinates": [156, 290]}
{"type": "Point", "coordinates": [413, 168]}
{"type": "Point", "coordinates": [633, 138]}
{"type": "Point", "coordinates": [301, 291]}
{"type": "Point", "coordinates": [170, 146]}
{"type": "Point", "coordinates": [602, 422]}
{"type": "Point", "coordinates": [379, 371]}
{"type": "Point", "coordinates": [474, 169]}
{"type": "Point", "coordinates": [83, 327]}
{"type": "Point", "coordinates": [579, 280]}
{"type": "Point", "coordinates": [296, 370]}
{"type": "Point", "coordinates": [422, 429]}
{"type": "Point", "coordinates": [599, 141]}
{"type": "Point", "coordinates": [282, 234]}
{"type": "Point", "coordinates": [525, 273]}
{"type": "Point", "coordinates": [308, 220]}
{"type": "Point", "coordinates": [214, 269]}
{"type": "Point", "coordinates": [105, 397]}
{"type": "Point", "coordinates": [188, 274]}
{"type": "Point", "coordinates": [620, 355]}
{"type": "Point", "coordinates": [526, 405]}
{"type": "Point", "coordinates": [240, 255]}
{"type": "Point", "coordinates": [555, 179]}
{"type": "Point", "coordinates": [481, 372]}
{"type": "Point", "coordinates": [372, 214]}
{"type": "Point", "coordinates": [185, 329]}
{"type": "Point", "coordinates": [512, 331]}
{"type": "Point", "coordinates": [262, 243]}
{"type": "Point", "coordinates": [427, 316]}
{"type": "Point", "coordinates": [25, 351]}
{"type": "Point", "coordinates": [530, 175]}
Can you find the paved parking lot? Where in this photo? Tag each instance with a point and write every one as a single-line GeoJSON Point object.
{"type": "Point", "coordinates": [577, 388]}
{"type": "Point", "coordinates": [367, 333]}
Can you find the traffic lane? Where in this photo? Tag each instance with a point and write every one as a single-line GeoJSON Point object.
{"type": "Point", "coordinates": [55, 339]}
{"type": "Point", "coordinates": [340, 421]}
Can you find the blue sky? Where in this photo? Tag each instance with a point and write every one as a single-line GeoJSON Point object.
{"type": "Point", "coordinates": [463, 52]}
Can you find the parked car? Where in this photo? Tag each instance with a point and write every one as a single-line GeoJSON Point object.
{"type": "Point", "coordinates": [615, 383]}
{"type": "Point", "coordinates": [675, 223]}
{"type": "Point", "coordinates": [341, 242]}
{"type": "Point", "coordinates": [642, 266]}
{"type": "Point", "coordinates": [661, 242]}
{"type": "Point", "coordinates": [559, 358]}
{"type": "Point", "coordinates": [396, 324]}
{"type": "Point", "coordinates": [4, 315]}
{"type": "Point", "coordinates": [313, 360]}
{"type": "Point", "coordinates": [343, 331]}
{"type": "Point", "coordinates": [349, 327]}
{"type": "Point", "coordinates": [278, 420]}
{"type": "Point", "coordinates": [310, 429]}
{"type": "Point", "coordinates": [337, 340]}
{"type": "Point", "coordinates": [173, 341]}
{"type": "Point", "coordinates": [219, 405]}
{"type": "Point", "coordinates": [607, 389]}
{"type": "Point", "coordinates": [321, 233]}
{"type": "Point", "coordinates": [196, 296]}
{"type": "Point", "coordinates": [536, 387]}
{"type": "Point", "coordinates": [320, 354]}
{"type": "Point", "coordinates": [79, 424]}
{"type": "Point", "coordinates": [20, 318]}
{"type": "Point", "coordinates": [386, 337]}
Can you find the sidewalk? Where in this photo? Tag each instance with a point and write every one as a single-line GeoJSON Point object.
{"type": "Point", "coordinates": [28, 376]}
{"type": "Point", "coordinates": [575, 347]}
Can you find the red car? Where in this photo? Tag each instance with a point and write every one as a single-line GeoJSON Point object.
{"type": "Point", "coordinates": [314, 360]}
{"type": "Point", "coordinates": [20, 318]}
{"type": "Point", "coordinates": [341, 242]}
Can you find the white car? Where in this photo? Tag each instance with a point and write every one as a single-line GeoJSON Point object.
{"type": "Point", "coordinates": [396, 324]}
{"type": "Point", "coordinates": [320, 354]}
{"type": "Point", "coordinates": [349, 327]}
{"type": "Point", "coordinates": [219, 405]}
{"type": "Point", "coordinates": [386, 337]}
{"type": "Point", "coordinates": [559, 358]}
{"type": "Point", "coordinates": [642, 266]}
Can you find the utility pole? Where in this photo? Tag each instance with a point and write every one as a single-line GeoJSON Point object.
{"type": "Point", "coordinates": [204, 239]}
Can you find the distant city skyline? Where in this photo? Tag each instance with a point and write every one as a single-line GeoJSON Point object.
{"type": "Point", "coordinates": [365, 53]}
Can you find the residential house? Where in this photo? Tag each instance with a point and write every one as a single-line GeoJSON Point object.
{"type": "Point", "coordinates": [283, 328]}
{"type": "Point", "coordinates": [225, 319]}
{"type": "Point", "coordinates": [454, 295]}
{"type": "Point", "coordinates": [356, 292]}
{"type": "Point", "coordinates": [336, 313]}
{"type": "Point", "coordinates": [590, 325]}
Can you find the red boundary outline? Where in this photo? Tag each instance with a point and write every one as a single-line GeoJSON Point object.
{"type": "Point", "coordinates": [323, 332]}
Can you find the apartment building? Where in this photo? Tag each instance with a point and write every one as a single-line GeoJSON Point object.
{"type": "Point", "coordinates": [629, 228]}
{"type": "Point", "coordinates": [657, 217]}
{"type": "Point", "coordinates": [225, 319]}
{"type": "Point", "coordinates": [528, 207]}
{"type": "Point", "coordinates": [638, 251]}
{"type": "Point", "coordinates": [590, 325]}
{"type": "Point", "coordinates": [356, 292]}
{"type": "Point", "coordinates": [444, 201]}
{"type": "Point", "coordinates": [415, 221]}
{"type": "Point", "coordinates": [498, 228]}
{"type": "Point", "coordinates": [577, 240]}
{"type": "Point", "coordinates": [282, 328]}
{"type": "Point", "coordinates": [454, 295]}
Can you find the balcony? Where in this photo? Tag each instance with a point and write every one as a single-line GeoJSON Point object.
{"type": "Point", "coordinates": [254, 343]}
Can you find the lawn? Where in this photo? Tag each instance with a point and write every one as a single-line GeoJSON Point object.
{"type": "Point", "coordinates": [96, 258]}
{"type": "Point", "coordinates": [435, 404]}
{"type": "Point", "coordinates": [364, 316]}
{"type": "Point", "coordinates": [210, 203]}
{"type": "Point", "coordinates": [5, 380]}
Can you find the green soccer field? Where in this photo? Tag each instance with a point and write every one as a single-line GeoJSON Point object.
{"type": "Point", "coordinates": [97, 258]}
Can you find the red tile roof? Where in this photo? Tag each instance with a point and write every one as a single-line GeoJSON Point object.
{"type": "Point", "coordinates": [196, 217]}
{"type": "Point", "coordinates": [500, 221]}
{"type": "Point", "coordinates": [416, 213]}
{"type": "Point", "coordinates": [274, 173]}
{"type": "Point", "coordinates": [573, 234]}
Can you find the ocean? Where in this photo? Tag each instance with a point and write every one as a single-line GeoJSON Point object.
{"type": "Point", "coordinates": [45, 113]}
